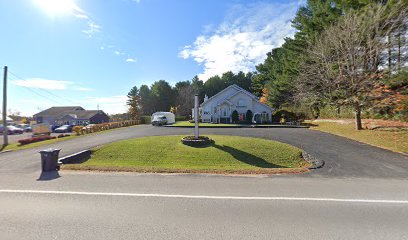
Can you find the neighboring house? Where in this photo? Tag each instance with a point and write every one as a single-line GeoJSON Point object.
{"type": "Point", "coordinates": [219, 108]}
{"type": "Point", "coordinates": [72, 115]}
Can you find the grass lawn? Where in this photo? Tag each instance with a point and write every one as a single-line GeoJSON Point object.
{"type": "Point", "coordinates": [392, 140]}
{"type": "Point", "coordinates": [229, 154]}
{"type": "Point", "coordinates": [17, 146]}
{"type": "Point", "coordinates": [189, 124]}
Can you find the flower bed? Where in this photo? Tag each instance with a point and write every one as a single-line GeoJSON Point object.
{"type": "Point", "coordinates": [201, 141]}
{"type": "Point", "coordinates": [35, 139]}
{"type": "Point", "coordinates": [63, 135]}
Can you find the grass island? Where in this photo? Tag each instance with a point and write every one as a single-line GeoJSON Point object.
{"type": "Point", "coordinates": [229, 154]}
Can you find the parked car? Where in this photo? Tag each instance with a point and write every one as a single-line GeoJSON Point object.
{"type": "Point", "coordinates": [64, 129]}
{"type": "Point", "coordinates": [53, 127]}
{"type": "Point", "coordinates": [159, 120]}
{"type": "Point", "coordinates": [25, 127]}
{"type": "Point", "coordinates": [12, 130]}
{"type": "Point", "coordinates": [89, 126]}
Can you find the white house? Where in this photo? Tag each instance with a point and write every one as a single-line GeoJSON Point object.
{"type": "Point", "coordinates": [219, 108]}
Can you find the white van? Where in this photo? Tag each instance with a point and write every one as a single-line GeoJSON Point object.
{"type": "Point", "coordinates": [163, 118]}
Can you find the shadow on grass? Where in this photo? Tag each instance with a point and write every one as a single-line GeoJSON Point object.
{"type": "Point", "coordinates": [247, 157]}
{"type": "Point", "coordinates": [47, 176]}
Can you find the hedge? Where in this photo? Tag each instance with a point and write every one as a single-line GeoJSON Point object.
{"type": "Point", "coordinates": [35, 139]}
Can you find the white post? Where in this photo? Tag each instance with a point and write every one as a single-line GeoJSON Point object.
{"type": "Point", "coordinates": [196, 116]}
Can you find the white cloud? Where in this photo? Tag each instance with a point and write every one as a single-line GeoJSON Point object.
{"type": "Point", "coordinates": [92, 29]}
{"type": "Point", "coordinates": [111, 105]}
{"type": "Point", "coordinates": [117, 52]}
{"type": "Point", "coordinates": [243, 39]}
{"type": "Point", "coordinates": [40, 83]}
{"type": "Point", "coordinates": [131, 60]}
{"type": "Point", "coordinates": [84, 89]}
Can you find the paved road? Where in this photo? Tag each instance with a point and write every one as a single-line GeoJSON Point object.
{"type": "Point", "coordinates": [361, 193]}
{"type": "Point", "coordinates": [149, 206]}
{"type": "Point", "coordinates": [343, 157]}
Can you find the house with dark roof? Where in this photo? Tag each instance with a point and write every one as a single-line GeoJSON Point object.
{"type": "Point", "coordinates": [71, 115]}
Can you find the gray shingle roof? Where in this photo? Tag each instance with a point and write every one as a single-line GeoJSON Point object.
{"type": "Point", "coordinates": [57, 111]}
{"type": "Point", "coordinates": [60, 112]}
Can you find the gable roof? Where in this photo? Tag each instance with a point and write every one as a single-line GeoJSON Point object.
{"type": "Point", "coordinates": [222, 91]}
{"type": "Point", "coordinates": [239, 90]}
{"type": "Point", "coordinates": [57, 111]}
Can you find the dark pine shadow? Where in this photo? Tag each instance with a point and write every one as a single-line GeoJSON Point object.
{"type": "Point", "coordinates": [247, 157]}
{"type": "Point", "coordinates": [48, 176]}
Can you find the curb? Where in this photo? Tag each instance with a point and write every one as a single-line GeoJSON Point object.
{"type": "Point", "coordinates": [6, 151]}
{"type": "Point", "coordinates": [316, 163]}
{"type": "Point", "coordinates": [78, 157]}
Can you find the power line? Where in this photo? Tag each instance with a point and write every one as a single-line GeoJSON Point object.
{"type": "Point", "coordinates": [39, 94]}
{"type": "Point", "coordinates": [44, 90]}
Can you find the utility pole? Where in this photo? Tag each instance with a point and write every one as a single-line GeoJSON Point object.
{"type": "Point", "coordinates": [5, 130]}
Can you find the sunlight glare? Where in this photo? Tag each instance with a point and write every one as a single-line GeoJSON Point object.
{"type": "Point", "coordinates": [57, 7]}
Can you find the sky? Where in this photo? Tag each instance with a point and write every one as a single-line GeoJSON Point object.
{"type": "Point", "coordinates": [91, 52]}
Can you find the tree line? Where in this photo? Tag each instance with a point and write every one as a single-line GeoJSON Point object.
{"type": "Point", "coordinates": [344, 54]}
{"type": "Point", "coordinates": [161, 96]}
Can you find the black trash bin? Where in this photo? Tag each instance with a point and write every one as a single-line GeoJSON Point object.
{"type": "Point", "coordinates": [49, 160]}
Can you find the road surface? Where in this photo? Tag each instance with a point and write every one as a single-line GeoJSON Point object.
{"type": "Point", "coordinates": [361, 193]}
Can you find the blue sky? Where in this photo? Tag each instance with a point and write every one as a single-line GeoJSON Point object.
{"type": "Point", "coordinates": [91, 52]}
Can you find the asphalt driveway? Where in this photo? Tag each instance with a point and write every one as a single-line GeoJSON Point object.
{"type": "Point", "coordinates": [343, 158]}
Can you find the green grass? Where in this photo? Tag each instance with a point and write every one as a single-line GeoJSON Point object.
{"type": "Point", "coordinates": [189, 124]}
{"type": "Point", "coordinates": [392, 140]}
{"type": "Point", "coordinates": [229, 154]}
{"type": "Point", "coordinates": [17, 146]}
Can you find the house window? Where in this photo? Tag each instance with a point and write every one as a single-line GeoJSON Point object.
{"type": "Point", "coordinates": [264, 117]}
{"type": "Point", "coordinates": [241, 103]}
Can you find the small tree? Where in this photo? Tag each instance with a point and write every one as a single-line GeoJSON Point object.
{"type": "Point", "coordinates": [134, 103]}
{"type": "Point", "coordinates": [248, 116]}
{"type": "Point", "coordinates": [235, 116]}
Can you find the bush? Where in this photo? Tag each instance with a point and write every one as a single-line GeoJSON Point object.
{"type": "Point", "coordinates": [63, 135]}
{"type": "Point", "coordinates": [235, 116]}
{"type": "Point", "coordinates": [78, 130]}
{"type": "Point", "coordinates": [288, 116]}
{"type": "Point", "coordinates": [181, 118]}
{"type": "Point", "coordinates": [248, 116]}
{"type": "Point", "coordinates": [35, 139]}
{"type": "Point", "coordinates": [145, 119]}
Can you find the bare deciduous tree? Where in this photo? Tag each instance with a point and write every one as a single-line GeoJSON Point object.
{"type": "Point", "coordinates": [185, 100]}
{"type": "Point", "coordinates": [343, 65]}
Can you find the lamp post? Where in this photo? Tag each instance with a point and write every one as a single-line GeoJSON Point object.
{"type": "Point", "coordinates": [196, 116]}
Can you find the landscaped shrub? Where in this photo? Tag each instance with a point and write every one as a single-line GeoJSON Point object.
{"type": "Point", "coordinates": [288, 116]}
{"type": "Point", "coordinates": [181, 118]}
{"type": "Point", "coordinates": [63, 135]}
{"type": "Point", "coordinates": [235, 116]}
{"type": "Point", "coordinates": [35, 139]}
{"type": "Point", "coordinates": [145, 119]}
{"type": "Point", "coordinates": [77, 130]}
{"type": "Point", "coordinates": [248, 116]}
